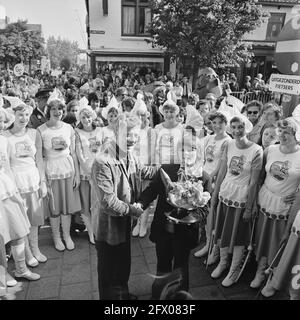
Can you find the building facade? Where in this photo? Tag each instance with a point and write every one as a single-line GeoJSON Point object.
{"type": "Point", "coordinates": [263, 39]}
{"type": "Point", "coordinates": [117, 31]}
{"type": "Point", "coordinates": [4, 20]}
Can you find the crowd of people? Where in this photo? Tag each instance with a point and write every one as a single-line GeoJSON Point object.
{"type": "Point", "coordinates": [92, 152]}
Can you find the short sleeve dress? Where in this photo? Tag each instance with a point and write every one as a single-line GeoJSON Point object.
{"type": "Point", "coordinates": [168, 144]}
{"type": "Point", "coordinates": [59, 169]}
{"type": "Point", "coordinates": [213, 152]}
{"type": "Point", "coordinates": [282, 179]}
{"type": "Point", "coordinates": [22, 152]}
{"type": "Point", "coordinates": [231, 229]}
{"type": "Point", "coordinates": [13, 217]}
{"type": "Point", "coordinates": [87, 147]}
{"type": "Point", "coordinates": [286, 275]}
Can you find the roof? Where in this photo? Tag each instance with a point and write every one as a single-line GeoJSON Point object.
{"type": "Point", "coordinates": [280, 2]}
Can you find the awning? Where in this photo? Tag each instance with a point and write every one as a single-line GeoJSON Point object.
{"type": "Point", "coordinates": [128, 59]}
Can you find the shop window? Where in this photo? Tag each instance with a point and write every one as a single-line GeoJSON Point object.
{"type": "Point", "coordinates": [275, 24]}
{"type": "Point", "coordinates": [136, 16]}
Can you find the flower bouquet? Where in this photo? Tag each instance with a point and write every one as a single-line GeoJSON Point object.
{"type": "Point", "coordinates": [187, 197]}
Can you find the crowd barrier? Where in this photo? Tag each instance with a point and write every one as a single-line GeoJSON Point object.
{"type": "Point", "coordinates": [262, 96]}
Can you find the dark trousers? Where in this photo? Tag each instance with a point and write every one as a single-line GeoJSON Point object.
{"type": "Point", "coordinates": [172, 253]}
{"type": "Point", "coordinates": [114, 263]}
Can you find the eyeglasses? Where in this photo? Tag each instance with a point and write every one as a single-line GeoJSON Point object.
{"type": "Point", "coordinates": [252, 112]}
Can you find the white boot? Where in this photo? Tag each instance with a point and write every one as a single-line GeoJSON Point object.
{"type": "Point", "coordinates": [260, 273]}
{"type": "Point", "coordinates": [235, 268]}
{"type": "Point", "coordinates": [223, 264]}
{"type": "Point", "coordinates": [214, 256]}
{"type": "Point", "coordinates": [66, 225]}
{"type": "Point", "coordinates": [31, 261]}
{"type": "Point", "coordinates": [55, 226]}
{"type": "Point", "coordinates": [268, 290]}
{"type": "Point", "coordinates": [88, 223]}
{"type": "Point", "coordinates": [202, 252]}
{"type": "Point", "coordinates": [22, 271]}
{"type": "Point", "coordinates": [10, 281]}
{"type": "Point", "coordinates": [136, 229]}
{"type": "Point", "coordinates": [144, 223]}
{"type": "Point", "coordinates": [33, 242]}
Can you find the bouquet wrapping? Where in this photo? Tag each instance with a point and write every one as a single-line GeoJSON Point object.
{"type": "Point", "coordinates": [188, 197]}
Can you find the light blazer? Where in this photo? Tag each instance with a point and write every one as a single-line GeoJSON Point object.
{"type": "Point", "coordinates": [113, 188]}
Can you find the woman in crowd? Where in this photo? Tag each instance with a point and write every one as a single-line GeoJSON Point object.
{"type": "Point", "coordinates": [88, 143]}
{"type": "Point", "coordinates": [271, 113]}
{"type": "Point", "coordinates": [253, 111]}
{"type": "Point", "coordinates": [168, 135]}
{"type": "Point", "coordinates": [203, 107]}
{"type": "Point", "coordinates": [236, 189]}
{"type": "Point", "coordinates": [286, 275]}
{"type": "Point", "coordinates": [269, 136]}
{"type": "Point", "coordinates": [181, 116]}
{"type": "Point", "coordinates": [72, 110]}
{"type": "Point", "coordinates": [155, 116]}
{"type": "Point", "coordinates": [111, 114]}
{"type": "Point", "coordinates": [143, 152]}
{"type": "Point", "coordinates": [193, 99]}
{"type": "Point", "coordinates": [214, 146]}
{"type": "Point", "coordinates": [282, 179]}
{"type": "Point", "coordinates": [62, 172]}
{"type": "Point", "coordinates": [14, 221]}
{"type": "Point", "coordinates": [26, 162]}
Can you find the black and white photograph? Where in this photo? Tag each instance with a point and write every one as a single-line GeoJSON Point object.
{"type": "Point", "coordinates": [149, 151]}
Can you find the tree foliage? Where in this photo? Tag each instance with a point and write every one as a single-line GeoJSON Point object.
{"type": "Point", "coordinates": [19, 43]}
{"type": "Point", "coordinates": [59, 49]}
{"type": "Point", "coordinates": [65, 64]}
{"type": "Point", "coordinates": [208, 31]}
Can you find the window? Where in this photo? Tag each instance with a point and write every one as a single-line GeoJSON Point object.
{"type": "Point", "coordinates": [275, 24]}
{"type": "Point", "coordinates": [136, 16]}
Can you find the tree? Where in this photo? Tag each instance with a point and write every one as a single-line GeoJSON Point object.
{"type": "Point", "coordinates": [19, 44]}
{"type": "Point", "coordinates": [59, 49]}
{"type": "Point", "coordinates": [65, 64]}
{"type": "Point", "coordinates": [210, 32]}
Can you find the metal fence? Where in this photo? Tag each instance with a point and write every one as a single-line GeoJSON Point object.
{"type": "Point", "coordinates": [262, 96]}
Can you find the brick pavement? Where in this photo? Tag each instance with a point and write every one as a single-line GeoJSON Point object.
{"type": "Point", "coordinates": [73, 275]}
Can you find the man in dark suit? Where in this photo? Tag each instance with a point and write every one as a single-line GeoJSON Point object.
{"type": "Point", "coordinates": [38, 116]}
{"type": "Point", "coordinates": [116, 185]}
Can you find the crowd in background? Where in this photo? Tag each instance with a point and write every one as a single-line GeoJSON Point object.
{"type": "Point", "coordinates": [248, 153]}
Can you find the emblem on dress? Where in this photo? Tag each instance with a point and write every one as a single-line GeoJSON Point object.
{"type": "Point", "coordinates": [280, 170]}
{"type": "Point", "coordinates": [23, 149]}
{"type": "Point", "coordinates": [59, 143]}
{"type": "Point", "coordinates": [236, 165]}
{"type": "Point", "coordinates": [210, 153]}
{"type": "Point", "coordinates": [166, 140]}
{"type": "Point", "coordinates": [94, 144]}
